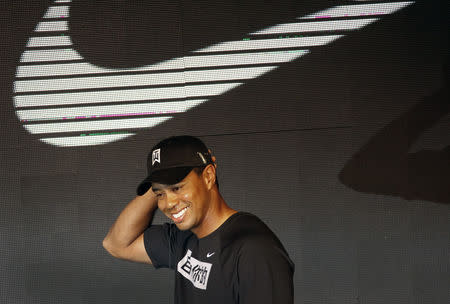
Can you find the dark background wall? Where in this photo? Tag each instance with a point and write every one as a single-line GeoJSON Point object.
{"type": "Point", "coordinates": [344, 153]}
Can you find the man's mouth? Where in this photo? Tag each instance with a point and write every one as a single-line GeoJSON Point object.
{"type": "Point", "coordinates": [178, 217]}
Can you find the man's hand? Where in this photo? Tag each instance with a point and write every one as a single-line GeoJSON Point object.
{"type": "Point", "coordinates": [213, 158]}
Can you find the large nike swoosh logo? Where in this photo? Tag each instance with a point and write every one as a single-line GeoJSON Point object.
{"type": "Point", "coordinates": [67, 101]}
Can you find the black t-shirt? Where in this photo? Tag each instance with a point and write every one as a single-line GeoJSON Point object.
{"type": "Point", "coordinates": [240, 262]}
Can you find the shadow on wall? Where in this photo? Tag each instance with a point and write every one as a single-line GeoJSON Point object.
{"type": "Point", "coordinates": [384, 166]}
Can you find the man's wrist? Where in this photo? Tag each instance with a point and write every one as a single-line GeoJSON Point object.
{"type": "Point", "coordinates": [151, 198]}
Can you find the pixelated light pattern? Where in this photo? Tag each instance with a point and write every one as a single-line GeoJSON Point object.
{"type": "Point", "coordinates": [67, 101]}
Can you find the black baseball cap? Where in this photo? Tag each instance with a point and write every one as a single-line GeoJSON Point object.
{"type": "Point", "coordinates": [171, 160]}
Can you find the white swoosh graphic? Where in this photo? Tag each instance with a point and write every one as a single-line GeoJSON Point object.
{"type": "Point", "coordinates": [68, 102]}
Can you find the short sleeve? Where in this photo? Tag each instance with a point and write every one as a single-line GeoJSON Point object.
{"type": "Point", "coordinates": [265, 274]}
{"type": "Point", "coordinates": [162, 243]}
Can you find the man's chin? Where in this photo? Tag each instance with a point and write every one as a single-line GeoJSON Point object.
{"type": "Point", "coordinates": [182, 226]}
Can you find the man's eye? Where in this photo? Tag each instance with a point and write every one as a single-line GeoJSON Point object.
{"type": "Point", "coordinates": [176, 188]}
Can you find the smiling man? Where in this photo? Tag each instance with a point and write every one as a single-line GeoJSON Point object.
{"type": "Point", "coordinates": [219, 255]}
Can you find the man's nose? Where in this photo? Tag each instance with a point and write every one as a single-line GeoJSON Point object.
{"type": "Point", "coordinates": [171, 200]}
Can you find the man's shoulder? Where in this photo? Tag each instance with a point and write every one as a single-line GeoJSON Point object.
{"type": "Point", "coordinates": [246, 230]}
{"type": "Point", "coordinates": [255, 243]}
{"type": "Point", "coordinates": [167, 232]}
{"type": "Point", "coordinates": [246, 224]}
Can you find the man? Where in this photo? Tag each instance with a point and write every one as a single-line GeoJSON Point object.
{"type": "Point", "coordinates": [219, 255]}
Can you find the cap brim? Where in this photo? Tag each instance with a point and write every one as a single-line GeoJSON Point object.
{"type": "Point", "coordinates": [170, 176]}
{"type": "Point", "coordinates": [144, 186]}
{"type": "Point", "coordinates": [166, 177]}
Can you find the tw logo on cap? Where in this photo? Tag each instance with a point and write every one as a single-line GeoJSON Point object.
{"type": "Point", "coordinates": [156, 156]}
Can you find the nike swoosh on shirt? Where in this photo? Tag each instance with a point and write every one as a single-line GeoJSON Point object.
{"type": "Point", "coordinates": [208, 255]}
{"type": "Point", "coordinates": [66, 101]}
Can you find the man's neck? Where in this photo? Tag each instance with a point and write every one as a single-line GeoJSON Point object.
{"type": "Point", "coordinates": [217, 214]}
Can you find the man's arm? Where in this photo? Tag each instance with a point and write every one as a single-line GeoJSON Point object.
{"type": "Point", "coordinates": [265, 274]}
{"type": "Point", "coordinates": [125, 239]}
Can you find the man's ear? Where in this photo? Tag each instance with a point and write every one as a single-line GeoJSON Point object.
{"type": "Point", "coordinates": [209, 176]}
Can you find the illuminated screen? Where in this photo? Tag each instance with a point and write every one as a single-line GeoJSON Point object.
{"type": "Point", "coordinates": [61, 96]}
